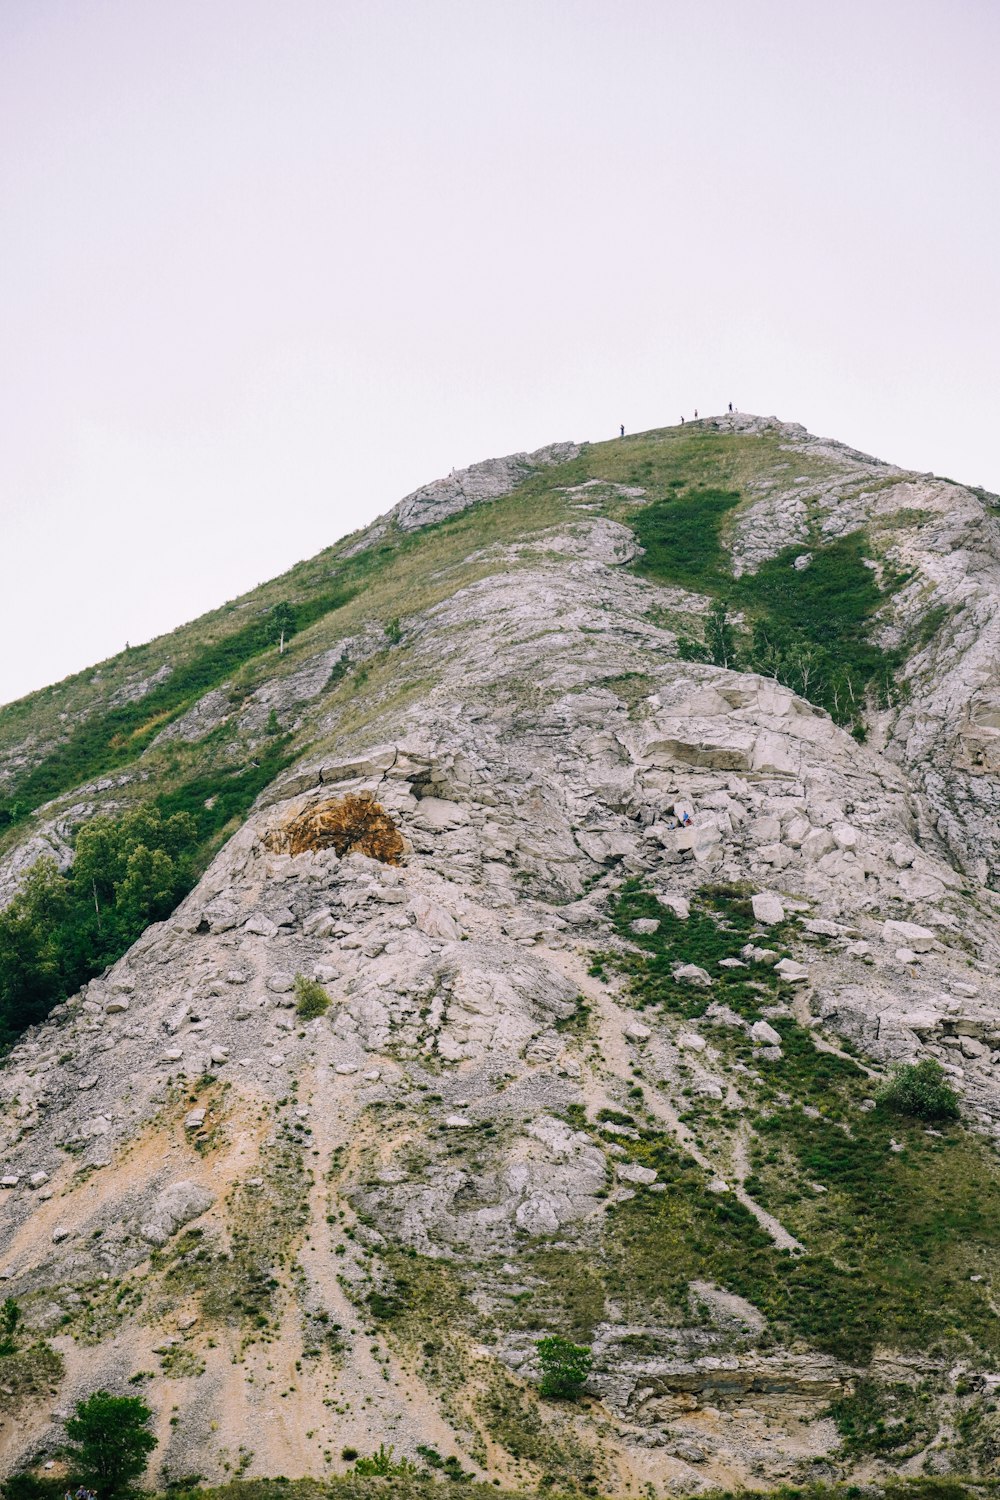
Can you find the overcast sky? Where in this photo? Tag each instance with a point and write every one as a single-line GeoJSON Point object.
{"type": "Point", "coordinates": [267, 265]}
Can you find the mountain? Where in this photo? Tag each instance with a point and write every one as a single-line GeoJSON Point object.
{"type": "Point", "coordinates": [565, 909]}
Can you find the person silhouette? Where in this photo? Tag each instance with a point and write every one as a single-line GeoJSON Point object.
{"type": "Point", "coordinates": [623, 429]}
{"type": "Point", "coordinates": [730, 406]}
{"type": "Point", "coordinates": [696, 414]}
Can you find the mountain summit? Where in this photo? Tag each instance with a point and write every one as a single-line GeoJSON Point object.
{"type": "Point", "coordinates": [563, 911]}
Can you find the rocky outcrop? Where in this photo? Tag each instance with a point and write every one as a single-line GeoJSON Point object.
{"type": "Point", "coordinates": [382, 1082]}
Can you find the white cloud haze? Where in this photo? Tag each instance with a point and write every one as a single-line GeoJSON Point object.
{"type": "Point", "coordinates": [265, 267]}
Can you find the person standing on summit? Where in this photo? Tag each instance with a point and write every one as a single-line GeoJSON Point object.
{"type": "Point", "coordinates": [623, 429]}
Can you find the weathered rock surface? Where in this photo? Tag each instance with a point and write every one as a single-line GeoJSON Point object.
{"type": "Point", "coordinates": [462, 1109]}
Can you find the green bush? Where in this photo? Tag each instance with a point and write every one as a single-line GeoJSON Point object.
{"type": "Point", "coordinates": [920, 1091]}
{"type": "Point", "coordinates": [882, 1419]}
{"type": "Point", "coordinates": [384, 1465]}
{"type": "Point", "coordinates": [565, 1367]}
{"type": "Point", "coordinates": [109, 1442]}
{"type": "Point", "coordinates": [311, 999]}
{"type": "Point", "coordinates": [10, 1317]}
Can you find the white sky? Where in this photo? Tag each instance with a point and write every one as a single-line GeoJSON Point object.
{"type": "Point", "coordinates": [267, 265]}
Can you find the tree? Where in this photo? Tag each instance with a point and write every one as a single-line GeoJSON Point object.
{"type": "Point", "coordinates": [10, 1317]}
{"type": "Point", "coordinates": [565, 1367]}
{"type": "Point", "coordinates": [110, 1442]}
{"type": "Point", "coordinates": [719, 646]}
{"type": "Point", "coordinates": [282, 623]}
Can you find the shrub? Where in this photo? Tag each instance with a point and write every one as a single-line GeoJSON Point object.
{"type": "Point", "coordinates": [383, 1464]}
{"type": "Point", "coordinates": [565, 1367]}
{"type": "Point", "coordinates": [311, 998]}
{"type": "Point", "coordinates": [62, 928]}
{"type": "Point", "coordinates": [920, 1091]}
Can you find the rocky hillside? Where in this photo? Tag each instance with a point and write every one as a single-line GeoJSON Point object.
{"type": "Point", "coordinates": [555, 875]}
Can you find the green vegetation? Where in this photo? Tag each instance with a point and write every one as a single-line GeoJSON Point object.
{"type": "Point", "coordinates": [28, 1370]}
{"type": "Point", "coordinates": [720, 922]}
{"type": "Point", "coordinates": [512, 1416]}
{"type": "Point", "coordinates": [10, 1317]}
{"type": "Point", "coordinates": [239, 1286]}
{"type": "Point", "coordinates": [416, 1485]}
{"type": "Point", "coordinates": [897, 1222]}
{"type": "Point", "coordinates": [105, 741]}
{"type": "Point", "coordinates": [450, 1467]}
{"type": "Point", "coordinates": [808, 627]}
{"type": "Point", "coordinates": [61, 929]}
{"type": "Point", "coordinates": [109, 1442]}
{"type": "Point", "coordinates": [220, 798]}
{"type": "Point", "coordinates": [681, 538]}
{"type": "Point", "coordinates": [884, 1419]}
{"type": "Point", "coordinates": [383, 1464]}
{"type": "Point", "coordinates": [311, 999]}
{"type": "Point", "coordinates": [565, 1367]}
{"type": "Point", "coordinates": [920, 1091]}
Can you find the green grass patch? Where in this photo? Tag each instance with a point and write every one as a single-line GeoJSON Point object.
{"type": "Point", "coordinates": [720, 923]}
{"type": "Point", "coordinates": [884, 1419]}
{"type": "Point", "coordinates": [808, 627]}
{"type": "Point", "coordinates": [102, 742]}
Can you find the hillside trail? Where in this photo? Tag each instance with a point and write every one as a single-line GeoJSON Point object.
{"type": "Point", "coordinates": [387, 1400]}
{"type": "Point", "coordinates": [615, 1049]}
{"type": "Point", "coordinates": [806, 1019]}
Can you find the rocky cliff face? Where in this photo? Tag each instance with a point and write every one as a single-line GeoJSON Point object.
{"type": "Point", "coordinates": [548, 989]}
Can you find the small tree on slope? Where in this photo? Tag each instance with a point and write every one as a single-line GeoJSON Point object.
{"type": "Point", "coordinates": [110, 1441]}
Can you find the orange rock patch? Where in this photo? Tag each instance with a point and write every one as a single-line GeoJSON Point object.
{"type": "Point", "coordinates": [346, 824]}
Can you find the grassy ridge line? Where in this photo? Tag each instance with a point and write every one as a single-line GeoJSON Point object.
{"type": "Point", "coordinates": [103, 743]}
{"type": "Point", "coordinates": [400, 574]}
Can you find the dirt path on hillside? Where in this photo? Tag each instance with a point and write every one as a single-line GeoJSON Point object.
{"type": "Point", "coordinates": [616, 1049]}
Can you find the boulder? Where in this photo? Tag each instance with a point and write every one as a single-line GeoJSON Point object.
{"type": "Point", "coordinates": [764, 1035]}
{"type": "Point", "coordinates": [767, 909]}
{"type": "Point", "coordinates": [433, 919]}
{"type": "Point", "coordinates": [692, 974]}
{"type": "Point", "coordinates": [636, 1032]}
{"type": "Point", "coordinates": [632, 1172]}
{"type": "Point", "coordinates": [908, 935]}
{"type": "Point", "coordinates": [679, 905]}
{"type": "Point", "coordinates": [176, 1206]}
{"type": "Point", "coordinates": [280, 982]}
{"type": "Point", "coordinates": [260, 925]}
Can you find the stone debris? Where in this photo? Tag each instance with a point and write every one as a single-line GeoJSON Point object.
{"type": "Point", "coordinates": [444, 860]}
